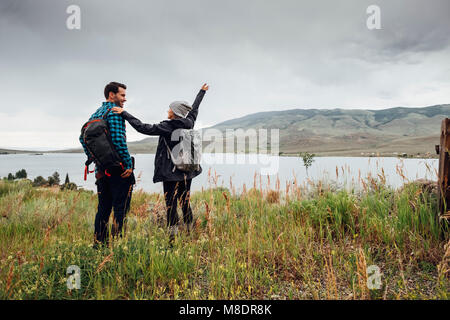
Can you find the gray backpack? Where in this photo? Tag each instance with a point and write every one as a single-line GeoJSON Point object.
{"type": "Point", "coordinates": [186, 155]}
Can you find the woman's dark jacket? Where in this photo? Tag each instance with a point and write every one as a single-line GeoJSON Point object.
{"type": "Point", "coordinates": [164, 129]}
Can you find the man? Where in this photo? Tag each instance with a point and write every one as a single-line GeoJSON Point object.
{"type": "Point", "coordinates": [113, 190]}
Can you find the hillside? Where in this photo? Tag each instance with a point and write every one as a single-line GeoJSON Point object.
{"type": "Point", "coordinates": [10, 151]}
{"type": "Point", "coordinates": [339, 132]}
{"type": "Point", "coordinates": [351, 132]}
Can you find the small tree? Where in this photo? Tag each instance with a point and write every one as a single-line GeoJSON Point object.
{"type": "Point", "coordinates": [308, 159]}
{"type": "Point", "coordinates": [21, 174]}
{"type": "Point", "coordinates": [67, 181]}
{"type": "Point", "coordinates": [39, 181]}
{"type": "Point", "coordinates": [10, 176]}
{"type": "Point", "coordinates": [54, 179]}
{"type": "Point", "coordinates": [51, 181]}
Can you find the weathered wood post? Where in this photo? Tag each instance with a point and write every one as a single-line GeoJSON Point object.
{"type": "Point", "coordinates": [444, 171]}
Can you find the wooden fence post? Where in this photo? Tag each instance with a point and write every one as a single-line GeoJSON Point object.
{"type": "Point", "coordinates": [444, 171]}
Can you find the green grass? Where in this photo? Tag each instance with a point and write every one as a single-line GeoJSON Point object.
{"type": "Point", "coordinates": [262, 244]}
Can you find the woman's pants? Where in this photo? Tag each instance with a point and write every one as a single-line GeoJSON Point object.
{"type": "Point", "coordinates": [175, 191]}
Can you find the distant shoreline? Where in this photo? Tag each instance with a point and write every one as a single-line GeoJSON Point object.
{"type": "Point", "coordinates": [348, 154]}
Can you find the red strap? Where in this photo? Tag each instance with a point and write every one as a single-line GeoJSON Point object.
{"type": "Point", "coordinates": [86, 172]}
{"type": "Point", "coordinates": [107, 174]}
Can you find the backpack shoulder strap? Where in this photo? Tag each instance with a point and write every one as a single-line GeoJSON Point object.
{"type": "Point", "coordinates": [169, 152]}
{"type": "Point", "coordinates": [106, 114]}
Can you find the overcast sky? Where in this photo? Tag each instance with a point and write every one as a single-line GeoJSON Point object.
{"type": "Point", "coordinates": [256, 56]}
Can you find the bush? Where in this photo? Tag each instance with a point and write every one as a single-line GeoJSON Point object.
{"type": "Point", "coordinates": [273, 196]}
{"type": "Point", "coordinates": [51, 181]}
{"type": "Point", "coordinates": [39, 182]}
{"type": "Point", "coordinates": [54, 179]}
{"type": "Point", "coordinates": [21, 174]}
{"type": "Point", "coordinates": [69, 186]}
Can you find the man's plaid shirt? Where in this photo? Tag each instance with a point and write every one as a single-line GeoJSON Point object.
{"type": "Point", "coordinates": [117, 128]}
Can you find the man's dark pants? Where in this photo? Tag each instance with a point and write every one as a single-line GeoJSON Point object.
{"type": "Point", "coordinates": [113, 192]}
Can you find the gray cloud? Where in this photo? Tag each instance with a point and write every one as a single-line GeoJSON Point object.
{"type": "Point", "coordinates": [256, 55]}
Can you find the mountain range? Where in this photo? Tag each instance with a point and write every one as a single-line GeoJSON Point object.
{"type": "Point", "coordinates": [338, 132]}
{"type": "Point", "coordinates": [351, 132]}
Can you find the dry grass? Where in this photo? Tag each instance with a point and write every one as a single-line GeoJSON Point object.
{"type": "Point", "coordinates": [309, 241]}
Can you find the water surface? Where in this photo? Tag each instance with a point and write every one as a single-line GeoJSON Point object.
{"type": "Point", "coordinates": [235, 172]}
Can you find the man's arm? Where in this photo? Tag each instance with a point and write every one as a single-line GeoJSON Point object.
{"type": "Point", "coordinates": [118, 137]}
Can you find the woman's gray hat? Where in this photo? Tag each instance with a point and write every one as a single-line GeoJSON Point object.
{"type": "Point", "coordinates": [180, 108]}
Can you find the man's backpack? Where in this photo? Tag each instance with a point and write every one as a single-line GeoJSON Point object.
{"type": "Point", "coordinates": [186, 155]}
{"type": "Point", "coordinates": [97, 139]}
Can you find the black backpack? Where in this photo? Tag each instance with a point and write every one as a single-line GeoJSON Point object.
{"type": "Point", "coordinates": [97, 139]}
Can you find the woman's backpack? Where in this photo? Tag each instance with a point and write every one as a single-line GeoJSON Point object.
{"type": "Point", "coordinates": [186, 155]}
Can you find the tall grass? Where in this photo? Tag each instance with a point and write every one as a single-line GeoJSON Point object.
{"type": "Point", "coordinates": [306, 242]}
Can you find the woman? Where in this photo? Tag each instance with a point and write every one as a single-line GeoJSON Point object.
{"type": "Point", "coordinates": [176, 183]}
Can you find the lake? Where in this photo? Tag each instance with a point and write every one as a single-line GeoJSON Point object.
{"type": "Point", "coordinates": [236, 169]}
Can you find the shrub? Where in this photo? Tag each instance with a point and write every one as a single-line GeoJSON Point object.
{"type": "Point", "coordinates": [273, 196]}
{"type": "Point", "coordinates": [69, 186]}
{"type": "Point", "coordinates": [54, 179]}
{"type": "Point", "coordinates": [39, 181]}
{"type": "Point", "coordinates": [21, 174]}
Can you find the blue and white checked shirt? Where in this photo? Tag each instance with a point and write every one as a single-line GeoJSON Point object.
{"type": "Point", "coordinates": [118, 135]}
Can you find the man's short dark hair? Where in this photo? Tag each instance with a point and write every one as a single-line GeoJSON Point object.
{"type": "Point", "coordinates": [113, 87]}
